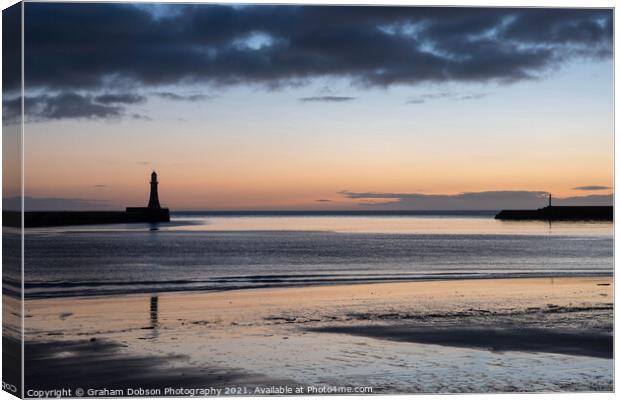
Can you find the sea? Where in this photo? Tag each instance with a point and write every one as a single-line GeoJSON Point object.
{"type": "Point", "coordinates": [215, 251]}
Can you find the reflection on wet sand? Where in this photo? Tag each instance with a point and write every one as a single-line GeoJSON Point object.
{"type": "Point", "coordinates": [154, 324]}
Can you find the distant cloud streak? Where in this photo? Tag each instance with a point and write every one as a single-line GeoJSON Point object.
{"type": "Point", "coordinates": [326, 99]}
{"type": "Point", "coordinates": [592, 187]}
{"type": "Point", "coordinates": [489, 200]}
{"type": "Point", "coordinates": [54, 204]}
{"type": "Point", "coordinates": [475, 96]}
{"type": "Point", "coordinates": [182, 97]}
{"type": "Point", "coordinates": [119, 98]}
{"type": "Point", "coordinates": [421, 99]}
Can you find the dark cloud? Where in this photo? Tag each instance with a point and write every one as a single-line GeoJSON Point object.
{"type": "Point", "coordinates": [11, 47]}
{"type": "Point", "coordinates": [100, 46]}
{"type": "Point", "coordinates": [561, 27]}
{"type": "Point", "coordinates": [489, 200]}
{"type": "Point", "coordinates": [100, 186]}
{"type": "Point", "coordinates": [323, 201]}
{"type": "Point", "coordinates": [70, 105]}
{"type": "Point", "coordinates": [326, 99]}
{"type": "Point", "coordinates": [182, 97]}
{"type": "Point", "coordinates": [120, 98]}
{"type": "Point", "coordinates": [11, 110]}
{"type": "Point", "coordinates": [592, 187]}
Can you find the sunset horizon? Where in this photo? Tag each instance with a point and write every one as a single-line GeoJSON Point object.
{"type": "Point", "coordinates": [490, 200]}
{"type": "Point", "coordinates": [256, 124]}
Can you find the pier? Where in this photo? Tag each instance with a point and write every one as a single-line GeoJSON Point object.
{"type": "Point", "coordinates": [153, 212]}
{"type": "Point", "coordinates": [560, 213]}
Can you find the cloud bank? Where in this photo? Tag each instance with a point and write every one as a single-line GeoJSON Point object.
{"type": "Point", "coordinates": [88, 49]}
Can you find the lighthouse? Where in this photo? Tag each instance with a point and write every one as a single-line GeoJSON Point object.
{"type": "Point", "coordinates": [154, 197]}
{"type": "Point", "coordinates": [151, 213]}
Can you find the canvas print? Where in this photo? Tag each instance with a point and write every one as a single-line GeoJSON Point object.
{"type": "Point", "coordinates": [232, 199]}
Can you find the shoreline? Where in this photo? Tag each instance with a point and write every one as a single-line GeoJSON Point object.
{"type": "Point", "coordinates": [546, 334]}
{"type": "Point", "coordinates": [404, 280]}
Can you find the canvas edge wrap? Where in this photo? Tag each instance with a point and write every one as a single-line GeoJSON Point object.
{"type": "Point", "coordinates": [12, 201]}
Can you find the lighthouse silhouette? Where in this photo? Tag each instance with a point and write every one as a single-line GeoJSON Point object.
{"type": "Point", "coordinates": [154, 198]}
{"type": "Point", "coordinates": [153, 211]}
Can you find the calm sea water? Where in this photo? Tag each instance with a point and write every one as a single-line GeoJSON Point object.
{"type": "Point", "coordinates": [198, 251]}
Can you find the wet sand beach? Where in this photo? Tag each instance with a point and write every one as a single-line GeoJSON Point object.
{"type": "Point", "coordinates": [549, 334]}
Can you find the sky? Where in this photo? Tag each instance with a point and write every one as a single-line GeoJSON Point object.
{"type": "Point", "coordinates": [300, 108]}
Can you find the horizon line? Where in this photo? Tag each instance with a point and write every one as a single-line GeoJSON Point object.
{"type": "Point", "coordinates": [318, 212]}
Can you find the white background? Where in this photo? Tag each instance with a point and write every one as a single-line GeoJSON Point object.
{"type": "Point", "coordinates": [479, 3]}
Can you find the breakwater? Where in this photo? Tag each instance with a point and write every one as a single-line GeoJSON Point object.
{"type": "Point", "coordinates": [35, 219]}
{"type": "Point", "coordinates": [561, 213]}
